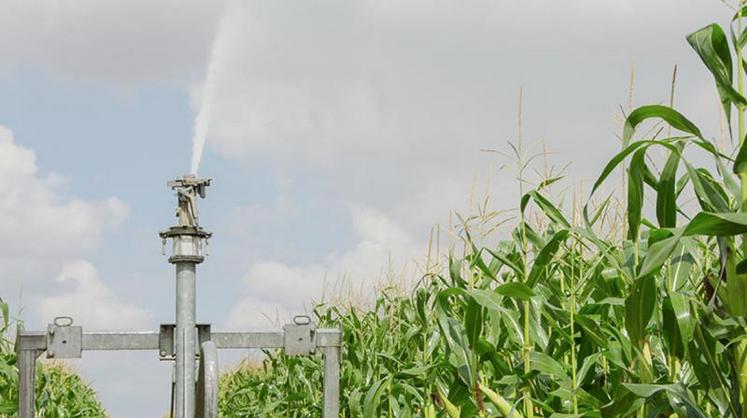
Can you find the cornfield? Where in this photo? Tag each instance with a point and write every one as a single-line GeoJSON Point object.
{"type": "Point", "coordinates": [574, 315]}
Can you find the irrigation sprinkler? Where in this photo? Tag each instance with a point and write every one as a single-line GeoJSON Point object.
{"type": "Point", "coordinates": [190, 345]}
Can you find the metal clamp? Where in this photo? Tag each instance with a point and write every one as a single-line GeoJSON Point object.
{"type": "Point", "coordinates": [298, 337]}
{"type": "Point", "coordinates": [166, 347]}
{"type": "Point", "coordinates": [63, 339]}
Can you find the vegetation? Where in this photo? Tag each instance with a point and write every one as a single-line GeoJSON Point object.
{"type": "Point", "coordinates": [60, 393]}
{"type": "Point", "coordinates": [576, 314]}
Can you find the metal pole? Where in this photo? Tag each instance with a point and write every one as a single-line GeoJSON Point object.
{"type": "Point", "coordinates": [26, 383]}
{"type": "Point", "coordinates": [331, 382]}
{"type": "Point", "coordinates": [185, 339]}
{"type": "Point", "coordinates": [187, 239]}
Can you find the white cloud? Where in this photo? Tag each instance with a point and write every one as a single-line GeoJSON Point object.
{"type": "Point", "coordinates": [390, 101]}
{"type": "Point", "coordinates": [280, 290]}
{"type": "Point", "coordinates": [46, 233]}
{"type": "Point", "coordinates": [131, 42]}
{"type": "Point", "coordinates": [41, 227]}
{"type": "Point", "coordinates": [257, 315]}
{"type": "Point", "coordinates": [91, 303]}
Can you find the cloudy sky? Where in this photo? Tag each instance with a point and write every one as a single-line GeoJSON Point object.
{"type": "Point", "coordinates": [341, 132]}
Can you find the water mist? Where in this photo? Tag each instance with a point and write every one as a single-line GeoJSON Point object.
{"type": "Point", "coordinates": [218, 54]}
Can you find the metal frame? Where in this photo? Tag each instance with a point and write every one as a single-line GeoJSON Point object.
{"type": "Point", "coordinates": [32, 344]}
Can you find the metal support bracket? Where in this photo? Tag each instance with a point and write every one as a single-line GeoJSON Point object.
{"type": "Point", "coordinates": [298, 337]}
{"type": "Point", "coordinates": [64, 340]}
{"type": "Point", "coordinates": [166, 347]}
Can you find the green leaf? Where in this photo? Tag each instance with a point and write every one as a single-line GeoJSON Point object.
{"type": "Point", "coordinates": [619, 158]}
{"type": "Point", "coordinates": [681, 308]}
{"type": "Point", "coordinates": [644, 390]}
{"type": "Point", "coordinates": [5, 309]}
{"type": "Point", "coordinates": [623, 404]}
{"type": "Point", "coordinates": [543, 363]}
{"type": "Point", "coordinates": [507, 262]}
{"type": "Point", "coordinates": [545, 256]}
{"type": "Point", "coordinates": [473, 322]}
{"type": "Point", "coordinates": [711, 45]}
{"type": "Point", "coordinates": [587, 364]}
{"type": "Point", "coordinates": [740, 164]}
{"type": "Point", "coordinates": [456, 339]}
{"type": "Point", "coordinates": [635, 193]}
{"type": "Point", "coordinates": [486, 298]}
{"type": "Point", "coordinates": [717, 224]}
{"type": "Point", "coordinates": [704, 223]}
{"type": "Point", "coordinates": [674, 118]}
{"type": "Point", "coordinates": [420, 371]}
{"type": "Point", "coordinates": [591, 330]}
{"type": "Point", "coordinates": [640, 170]}
{"type": "Point", "coordinates": [736, 282]}
{"type": "Point", "coordinates": [710, 193]}
{"type": "Point", "coordinates": [373, 396]}
{"type": "Point", "coordinates": [681, 401]}
{"type": "Point", "coordinates": [705, 365]}
{"type": "Point", "coordinates": [671, 331]}
{"type": "Point", "coordinates": [666, 199]}
{"type": "Point", "coordinates": [515, 290]}
{"type": "Point", "coordinates": [547, 207]}
{"type": "Point", "coordinates": [639, 307]}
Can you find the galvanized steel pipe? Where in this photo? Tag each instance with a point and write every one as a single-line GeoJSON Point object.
{"type": "Point", "coordinates": [185, 339]}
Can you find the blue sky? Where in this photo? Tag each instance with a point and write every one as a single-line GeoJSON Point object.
{"type": "Point", "coordinates": [342, 132]}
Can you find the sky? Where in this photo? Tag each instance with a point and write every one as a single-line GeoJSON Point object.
{"type": "Point", "coordinates": [341, 133]}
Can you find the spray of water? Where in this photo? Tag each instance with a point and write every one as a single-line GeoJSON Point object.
{"type": "Point", "coordinates": [218, 53]}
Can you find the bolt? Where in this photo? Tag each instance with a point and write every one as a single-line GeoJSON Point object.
{"type": "Point", "coordinates": [51, 331]}
{"type": "Point", "coordinates": [163, 353]}
{"type": "Point", "coordinates": [50, 353]}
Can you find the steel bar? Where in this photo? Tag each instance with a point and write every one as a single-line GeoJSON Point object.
{"type": "Point", "coordinates": [186, 338]}
{"type": "Point", "coordinates": [27, 383]}
{"type": "Point", "coordinates": [331, 382]}
{"type": "Point", "coordinates": [105, 341]}
{"type": "Point", "coordinates": [269, 340]}
{"type": "Point", "coordinates": [31, 340]}
{"type": "Point", "coordinates": [29, 345]}
{"type": "Point", "coordinates": [148, 340]}
{"type": "Point", "coordinates": [230, 340]}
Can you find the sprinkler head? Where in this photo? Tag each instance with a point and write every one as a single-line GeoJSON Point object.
{"type": "Point", "coordinates": [187, 189]}
{"type": "Point", "coordinates": [187, 236]}
{"type": "Point", "coordinates": [190, 182]}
